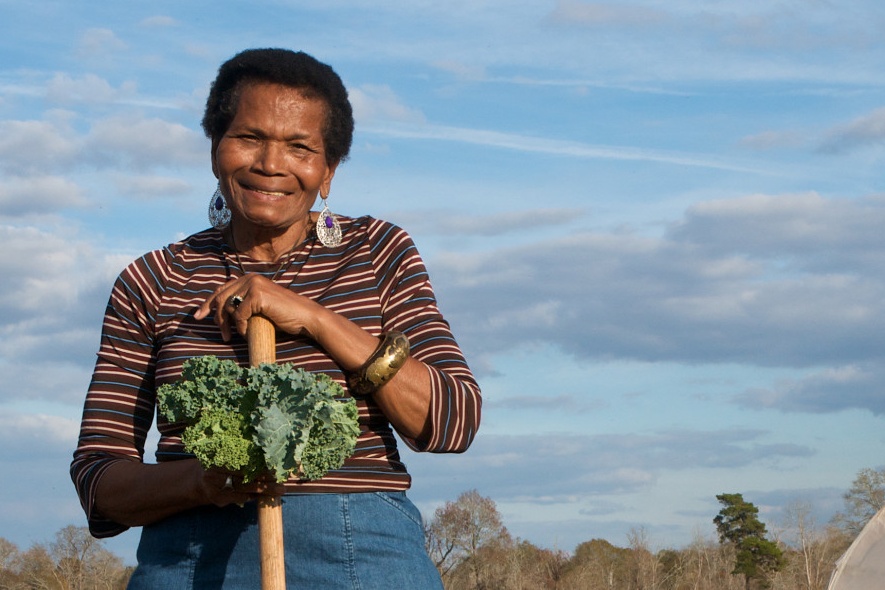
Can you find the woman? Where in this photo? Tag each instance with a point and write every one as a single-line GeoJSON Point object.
{"type": "Point", "coordinates": [336, 288]}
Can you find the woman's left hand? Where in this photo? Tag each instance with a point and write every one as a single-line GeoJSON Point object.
{"type": "Point", "coordinates": [238, 300]}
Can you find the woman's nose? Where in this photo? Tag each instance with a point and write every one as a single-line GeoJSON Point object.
{"type": "Point", "coordinates": [270, 158]}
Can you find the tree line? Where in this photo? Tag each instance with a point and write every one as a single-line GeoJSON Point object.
{"type": "Point", "coordinates": [473, 550]}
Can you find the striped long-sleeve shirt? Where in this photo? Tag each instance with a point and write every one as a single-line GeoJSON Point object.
{"type": "Point", "coordinates": [375, 278]}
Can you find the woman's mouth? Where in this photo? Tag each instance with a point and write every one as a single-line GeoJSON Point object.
{"type": "Point", "coordinates": [269, 193]}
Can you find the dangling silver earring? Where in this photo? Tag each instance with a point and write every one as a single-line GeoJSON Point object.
{"type": "Point", "coordinates": [219, 214]}
{"type": "Point", "coordinates": [328, 228]}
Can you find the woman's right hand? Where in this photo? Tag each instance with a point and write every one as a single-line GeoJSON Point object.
{"type": "Point", "coordinates": [135, 494]}
{"type": "Point", "coordinates": [257, 295]}
{"type": "Point", "coordinates": [222, 488]}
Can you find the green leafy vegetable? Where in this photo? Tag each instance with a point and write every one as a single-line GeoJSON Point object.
{"type": "Point", "coordinates": [272, 418]}
{"type": "Point", "coordinates": [218, 439]}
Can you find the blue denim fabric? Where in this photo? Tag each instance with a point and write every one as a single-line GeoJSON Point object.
{"type": "Point", "coordinates": [368, 541]}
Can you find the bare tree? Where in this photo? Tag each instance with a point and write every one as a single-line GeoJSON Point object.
{"type": "Point", "coordinates": [862, 501]}
{"type": "Point", "coordinates": [73, 561]}
{"type": "Point", "coordinates": [817, 549]}
{"type": "Point", "coordinates": [10, 558]}
{"type": "Point", "coordinates": [706, 565]}
{"type": "Point", "coordinates": [37, 569]}
{"type": "Point", "coordinates": [533, 568]}
{"type": "Point", "coordinates": [83, 563]}
{"type": "Point", "coordinates": [646, 567]}
{"type": "Point", "coordinates": [598, 565]}
{"type": "Point", "coordinates": [652, 570]}
{"type": "Point", "coordinates": [460, 529]}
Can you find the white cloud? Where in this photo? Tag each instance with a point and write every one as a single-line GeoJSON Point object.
{"type": "Point", "coordinates": [40, 148]}
{"type": "Point", "coordinates": [567, 403]}
{"type": "Point", "coordinates": [18, 430]}
{"type": "Point", "coordinates": [771, 26]}
{"type": "Point", "coordinates": [557, 147]}
{"type": "Point", "coordinates": [145, 143]}
{"type": "Point", "coordinates": [99, 43]}
{"type": "Point", "coordinates": [803, 231]}
{"type": "Point", "coordinates": [38, 195]}
{"type": "Point", "coordinates": [770, 281]}
{"type": "Point", "coordinates": [159, 21]}
{"type": "Point", "coordinates": [683, 42]}
{"type": "Point", "coordinates": [769, 140]}
{"type": "Point", "coordinates": [829, 390]}
{"type": "Point", "coordinates": [89, 88]}
{"type": "Point", "coordinates": [861, 132]}
{"type": "Point", "coordinates": [51, 304]}
{"type": "Point", "coordinates": [866, 130]}
{"type": "Point", "coordinates": [373, 103]}
{"type": "Point", "coordinates": [36, 146]}
{"type": "Point", "coordinates": [599, 14]}
{"type": "Point", "coordinates": [40, 499]}
{"type": "Point", "coordinates": [48, 376]}
{"type": "Point", "coordinates": [462, 70]}
{"type": "Point", "coordinates": [152, 187]}
{"type": "Point", "coordinates": [583, 86]}
{"type": "Point", "coordinates": [444, 222]}
{"type": "Point", "coordinates": [598, 465]}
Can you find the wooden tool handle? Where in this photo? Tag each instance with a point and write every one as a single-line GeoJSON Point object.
{"type": "Point", "coordinates": [262, 341]}
{"type": "Point", "coordinates": [262, 349]}
{"type": "Point", "coordinates": [270, 531]}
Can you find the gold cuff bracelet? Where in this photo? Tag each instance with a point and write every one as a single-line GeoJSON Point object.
{"type": "Point", "coordinates": [382, 365]}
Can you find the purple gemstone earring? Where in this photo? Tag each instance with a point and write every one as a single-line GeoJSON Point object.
{"type": "Point", "coordinates": [219, 214]}
{"type": "Point", "coordinates": [328, 229]}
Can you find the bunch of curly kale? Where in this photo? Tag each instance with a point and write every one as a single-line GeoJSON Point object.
{"type": "Point", "coordinates": [267, 419]}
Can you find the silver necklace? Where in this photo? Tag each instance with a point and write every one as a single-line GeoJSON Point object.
{"type": "Point", "coordinates": [284, 266]}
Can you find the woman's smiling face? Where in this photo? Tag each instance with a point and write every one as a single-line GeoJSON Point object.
{"type": "Point", "coordinates": [271, 161]}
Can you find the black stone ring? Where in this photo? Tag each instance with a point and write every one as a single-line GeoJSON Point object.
{"type": "Point", "coordinates": [235, 301]}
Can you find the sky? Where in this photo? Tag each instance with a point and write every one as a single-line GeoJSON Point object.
{"type": "Point", "coordinates": [655, 228]}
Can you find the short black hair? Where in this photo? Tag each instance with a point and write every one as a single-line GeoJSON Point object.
{"type": "Point", "coordinates": [294, 69]}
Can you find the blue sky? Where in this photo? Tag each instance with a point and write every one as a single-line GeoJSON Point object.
{"type": "Point", "coordinates": [656, 228]}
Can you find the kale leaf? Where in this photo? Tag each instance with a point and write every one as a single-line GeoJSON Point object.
{"type": "Point", "coordinates": [273, 418]}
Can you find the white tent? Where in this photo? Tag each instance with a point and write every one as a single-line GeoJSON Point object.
{"type": "Point", "coordinates": [862, 566]}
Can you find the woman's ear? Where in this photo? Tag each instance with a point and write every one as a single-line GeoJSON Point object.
{"type": "Point", "coordinates": [214, 159]}
{"type": "Point", "coordinates": [326, 187]}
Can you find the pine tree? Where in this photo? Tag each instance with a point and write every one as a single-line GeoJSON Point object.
{"type": "Point", "coordinates": [738, 524]}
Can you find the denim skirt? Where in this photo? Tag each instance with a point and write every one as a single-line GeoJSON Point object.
{"type": "Point", "coordinates": [364, 541]}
